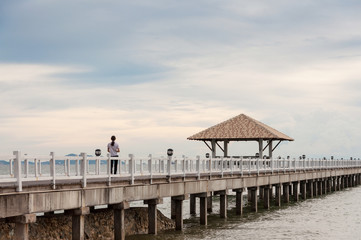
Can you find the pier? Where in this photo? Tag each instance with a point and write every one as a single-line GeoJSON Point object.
{"type": "Point", "coordinates": [44, 184]}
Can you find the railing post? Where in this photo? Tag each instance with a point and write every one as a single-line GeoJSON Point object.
{"type": "Point", "coordinates": [198, 167]}
{"type": "Point", "coordinates": [222, 166]}
{"type": "Point", "coordinates": [11, 167]}
{"type": "Point", "coordinates": [131, 168]}
{"type": "Point", "coordinates": [169, 170]}
{"type": "Point", "coordinates": [184, 166]}
{"type": "Point", "coordinates": [294, 160]}
{"type": "Point", "coordinates": [83, 167]}
{"type": "Point", "coordinates": [52, 168]}
{"type": "Point", "coordinates": [241, 166]}
{"type": "Point", "coordinates": [257, 166]}
{"type": "Point", "coordinates": [272, 167]}
{"type": "Point", "coordinates": [150, 168]}
{"type": "Point", "coordinates": [108, 170]}
{"type": "Point", "coordinates": [17, 172]}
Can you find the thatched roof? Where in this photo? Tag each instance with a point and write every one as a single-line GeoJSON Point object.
{"type": "Point", "coordinates": [240, 128]}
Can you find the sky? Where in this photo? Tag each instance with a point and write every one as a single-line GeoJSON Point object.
{"type": "Point", "coordinates": [75, 72]}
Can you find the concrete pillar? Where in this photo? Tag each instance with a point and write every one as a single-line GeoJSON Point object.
{"type": "Point", "coordinates": [178, 205]}
{"type": "Point", "coordinates": [254, 199]}
{"type": "Point", "coordinates": [209, 204]}
{"type": "Point", "coordinates": [249, 194]}
{"type": "Point", "coordinates": [320, 186]}
{"type": "Point", "coordinates": [324, 186]}
{"type": "Point", "coordinates": [261, 192]}
{"type": "Point", "coordinates": [266, 197]}
{"type": "Point", "coordinates": [315, 188]}
{"type": "Point", "coordinates": [192, 204]}
{"type": "Point", "coordinates": [303, 190]}
{"type": "Point", "coordinates": [223, 205]}
{"type": "Point", "coordinates": [278, 195]}
{"type": "Point", "coordinates": [203, 210]}
{"type": "Point", "coordinates": [310, 188]}
{"type": "Point", "coordinates": [119, 224]}
{"type": "Point", "coordinates": [152, 214]}
{"type": "Point", "coordinates": [286, 193]}
{"type": "Point", "coordinates": [295, 192]}
{"type": "Point", "coordinates": [329, 185]}
{"type": "Point", "coordinates": [239, 201]}
{"type": "Point", "coordinates": [22, 225]}
{"type": "Point", "coordinates": [78, 221]}
{"type": "Point", "coordinates": [172, 209]}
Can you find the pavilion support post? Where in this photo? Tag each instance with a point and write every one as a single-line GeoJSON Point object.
{"type": "Point", "coordinates": [213, 142]}
{"type": "Point", "coordinates": [270, 149]}
{"type": "Point", "coordinates": [260, 147]}
{"type": "Point", "coordinates": [225, 148]}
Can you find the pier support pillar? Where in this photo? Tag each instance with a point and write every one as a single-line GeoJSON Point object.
{"type": "Point", "coordinates": [119, 224]}
{"type": "Point", "coordinates": [78, 220]}
{"type": "Point", "coordinates": [329, 185]}
{"type": "Point", "coordinates": [203, 207]}
{"type": "Point", "coordinates": [266, 197]}
{"type": "Point", "coordinates": [295, 192]}
{"type": "Point", "coordinates": [239, 201]}
{"type": "Point", "coordinates": [22, 225]}
{"type": "Point", "coordinates": [286, 193]}
{"type": "Point", "coordinates": [209, 204]}
{"type": "Point", "coordinates": [303, 190]}
{"type": "Point", "coordinates": [310, 188]}
{"type": "Point", "coordinates": [254, 199]}
{"type": "Point", "coordinates": [315, 188]}
{"type": "Point", "coordinates": [261, 192]}
{"type": "Point", "coordinates": [192, 204]}
{"type": "Point", "coordinates": [320, 186]}
{"type": "Point", "coordinates": [278, 195]}
{"type": "Point", "coordinates": [324, 186]}
{"type": "Point", "coordinates": [222, 203]}
{"type": "Point", "coordinates": [152, 214]}
{"type": "Point", "coordinates": [178, 210]}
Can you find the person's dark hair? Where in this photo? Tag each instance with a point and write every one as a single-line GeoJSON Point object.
{"type": "Point", "coordinates": [113, 139]}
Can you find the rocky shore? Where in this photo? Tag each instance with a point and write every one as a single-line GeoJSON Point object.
{"type": "Point", "coordinates": [98, 225]}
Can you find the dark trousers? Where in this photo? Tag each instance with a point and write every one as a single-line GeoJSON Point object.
{"type": "Point", "coordinates": [114, 163]}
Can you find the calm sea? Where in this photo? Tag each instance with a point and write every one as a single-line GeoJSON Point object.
{"type": "Point", "coordinates": [333, 216]}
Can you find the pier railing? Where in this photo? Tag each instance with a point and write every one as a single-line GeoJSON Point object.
{"type": "Point", "coordinates": [18, 168]}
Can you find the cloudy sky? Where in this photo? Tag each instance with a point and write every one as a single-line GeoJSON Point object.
{"type": "Point", "coordinates": [75, 72]}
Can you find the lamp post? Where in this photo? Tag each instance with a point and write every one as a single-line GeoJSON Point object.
{"type": "Point", "coordinates": [170, 154]}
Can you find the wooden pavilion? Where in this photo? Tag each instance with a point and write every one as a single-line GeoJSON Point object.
{"type": "Point", "coordinates": [240, 128]}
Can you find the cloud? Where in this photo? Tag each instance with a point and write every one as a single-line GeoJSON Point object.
{"type": "Point", "coordinates": [155, 73]}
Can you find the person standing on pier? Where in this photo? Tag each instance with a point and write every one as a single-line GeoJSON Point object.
{"type": "Point", "coordinates": [113, 149]}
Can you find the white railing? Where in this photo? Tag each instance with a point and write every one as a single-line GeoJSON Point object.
{"type": "Point", "coordinates": [18, 168]}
